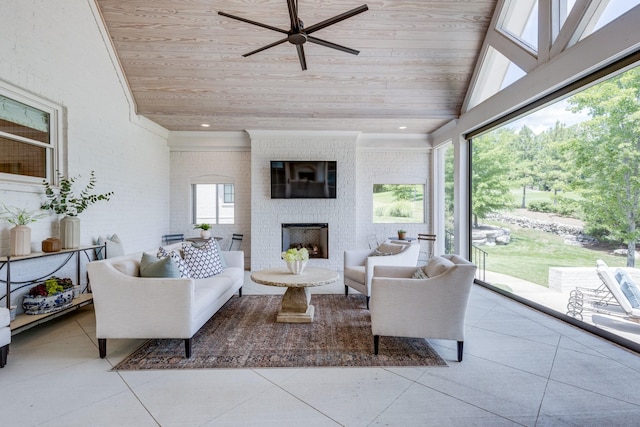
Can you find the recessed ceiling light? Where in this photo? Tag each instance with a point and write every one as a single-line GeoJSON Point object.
{"type": "Point", "coordinates": [402, 127]}
{"type": "Point", "coordinates": [205, 125]}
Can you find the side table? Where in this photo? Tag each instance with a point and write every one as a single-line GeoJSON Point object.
{"type": "Point", "coordinates": [295, 307]}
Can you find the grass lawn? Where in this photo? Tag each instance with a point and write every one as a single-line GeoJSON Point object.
{"type": "Point", "coordinates": [531, 252]}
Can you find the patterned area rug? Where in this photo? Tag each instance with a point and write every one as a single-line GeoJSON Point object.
{"type": "Point", "coordinates": [244, 334]}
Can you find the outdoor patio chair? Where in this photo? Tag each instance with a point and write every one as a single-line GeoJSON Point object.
{"type": "Point", "coordinates": [609, 298]}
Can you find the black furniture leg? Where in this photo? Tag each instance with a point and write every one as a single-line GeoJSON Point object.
{"type": "Point", "coordinates": [187, 347]}
{"type": "Point", "coordinates": [4, 351]}
{"type": "Point", "coordinates": [102, 347]}
{"type": "Point", "coordinates": [346, 290]}
{"type": "Point", "coordinates": [368, 298]}
{"type": "Point", "coordinates": [460, 343]}
{"type": "Point", "coordinates": [240, 292]}
{"type": "Point", "coordinates": [376, 341]}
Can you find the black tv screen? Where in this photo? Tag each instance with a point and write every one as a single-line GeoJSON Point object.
{"type": "Point", "coordinates": [303, 179]}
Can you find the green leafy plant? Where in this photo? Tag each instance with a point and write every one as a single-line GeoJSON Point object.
{"type": "Point", "coordinates": [66, 202]}
{"type": "Point", "coordinates": [18, 216]}
{"type": "Point", "coordinates": [202, 226]}
{"type": "Point", "coordinates": [50, 287]}
{"type": "Point", "coordinates": [295, 254]}
{"type": "Point", "coordinates": [402, 231]}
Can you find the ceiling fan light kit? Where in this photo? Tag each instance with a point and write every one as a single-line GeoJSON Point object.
{"type": "Point", "coordinates": [298, 35]}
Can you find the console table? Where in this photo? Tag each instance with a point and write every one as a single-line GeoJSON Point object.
{"type": "Point", "coordinates": [26, 321]}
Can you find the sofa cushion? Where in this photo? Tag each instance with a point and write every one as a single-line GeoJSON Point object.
{"type": "Point", "coordinates": [387, 249]}
{"type": "Point", "coordinates": [420, 274]}
{"type": "Point", "coordinates": [437, 265]}
{"type": "Point", "coordinates": [128, 266]}
{"type": "Point", "coordinates": [628, 287]}
{"type": "Point", "coordinates": [152, 266]}
{"type": "Point", "coordinates": [114, 246]}
{"type": "Point", "coordinates": [208, 245]}
{"type": "Point", "coordinates": [203, 262]}
{"type": "Point", "coordinates": [183, 268]}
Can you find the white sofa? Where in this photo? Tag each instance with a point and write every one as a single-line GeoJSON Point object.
{"type": "Point", "coordinates": [5, 335]}
{"type": "Point", "coordinates": [129, 306]}
{"type": "Point", "coordinates": [359, 263]}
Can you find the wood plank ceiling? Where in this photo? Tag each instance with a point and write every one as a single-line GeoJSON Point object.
{"type": "Point", "coordinates": [184, 64]}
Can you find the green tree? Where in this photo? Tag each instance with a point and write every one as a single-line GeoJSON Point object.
{"type": "Point", "coordinates": [608, 154]}
{"type": "Point", "coordinates": [491, 163]}
{"type": "Point", "coordinates": [556, 164]}
{"type": "Point", "coordinates": [526, 148]}
{"type": "Point", "coordinates": [404, 192]}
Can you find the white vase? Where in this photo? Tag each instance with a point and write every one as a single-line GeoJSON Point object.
{"type": "Point", "coordinates": [20, 240]}
{"type": "Point", "coordinates": [70, 232]}
{"type": "Point", "coordinates": [296, 267]}
{"type": "Point", "coordinates": [205, 234]}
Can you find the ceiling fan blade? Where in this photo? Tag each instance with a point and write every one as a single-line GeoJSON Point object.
{"type": "Point", "coordinates": [332, 45]}
{"type": "Point", "coordinates": [293, 16]}
{"type": "Point", "coordinates": [266, 47]}
{"type": "Point", "coordinates": [248, 21]}
{"type": "Point", "coordinates": [303, 60]}
{"type": "Point", "coordinates": [335, 19]}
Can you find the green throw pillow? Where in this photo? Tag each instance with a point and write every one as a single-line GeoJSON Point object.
{"type": "Point", "coordinates": [151, 266]}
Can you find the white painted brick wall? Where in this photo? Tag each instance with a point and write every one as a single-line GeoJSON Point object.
{"type": "Point", "coordinates": [390, 167]}
{"type": "Point", "coordinates": [55, 50]}
{"type": "Point", "coordinates": [350, 215]}
{"type": "Point", "coordinates": [268, 214]}
{"type": "Point", "coordinates": [228, 166]}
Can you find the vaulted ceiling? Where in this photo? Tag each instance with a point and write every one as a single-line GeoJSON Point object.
{"type": "Point", "coordinates": [184, 65]}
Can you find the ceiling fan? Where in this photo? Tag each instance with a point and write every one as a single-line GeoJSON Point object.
{"type": "Point", "coordinates": [299, 35]}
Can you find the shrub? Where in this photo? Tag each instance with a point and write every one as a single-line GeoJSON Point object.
{"type": "Point", "coordinates": [400, 209]}
{"type": "Point", "coordinates": [542, 206]}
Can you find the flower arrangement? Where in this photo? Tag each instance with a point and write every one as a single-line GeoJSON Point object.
{"type": "Point", "coordinates": [50, 287]}
{"type": "Point", "coordinates": [202, 226]}
{"type": "Point", "coordinates": [295, 254]}
{"type": "Point", "coordinates": [66, 202]}
{"type": "Point", "coordinates": [18, 216]}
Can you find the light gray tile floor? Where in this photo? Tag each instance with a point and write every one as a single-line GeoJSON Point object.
{"type": "Point", "coordinates": [520, 367]}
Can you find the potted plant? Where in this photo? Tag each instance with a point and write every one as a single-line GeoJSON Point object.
{"type": "Point", "coordinates": [66, 202]}
{"type": "Point", "coordinates": [20, 235]}
{"type": "Point", "coordinates": [296, 259]}
{"type": "Point", "coordinates": [402, 234]}
{"type": "Point", "coordinates": [52, 295]}
{"type": "Point", "coordinates": [204, 230]}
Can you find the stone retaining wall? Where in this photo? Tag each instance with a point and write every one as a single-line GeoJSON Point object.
{"type": "Point", "coordinates": [548, 226]}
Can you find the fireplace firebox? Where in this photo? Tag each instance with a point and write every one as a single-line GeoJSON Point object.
{"type": "Point", "coordinates": [313, 236]}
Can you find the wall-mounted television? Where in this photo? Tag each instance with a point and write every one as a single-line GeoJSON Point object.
{"type": "Point", "coordinates": [303, 179]}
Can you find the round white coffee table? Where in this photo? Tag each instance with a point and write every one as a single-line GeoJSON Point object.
{"type": "Point", "coordinates": [295, 307]}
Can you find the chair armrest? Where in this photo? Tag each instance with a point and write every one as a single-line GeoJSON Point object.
{"type": "Point", "coordinates": [396, 271]}
{"type": "Point", "coordinates": [356, 256]}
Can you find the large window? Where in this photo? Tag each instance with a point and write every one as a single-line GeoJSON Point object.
{"type": "Point", "coordinates": [213, 203]}
{"type": "Point", "coordinates": [556, 193]}
{"type": "Point", "coordinates": [398, 203]}
{"type": "Point", "coordinates": [28, 137]}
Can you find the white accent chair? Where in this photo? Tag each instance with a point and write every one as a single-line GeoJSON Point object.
{"type": "Point", "coordinates": [5, 335]}
{"type": "Point", "coordinates": [432, 307]}
{"type": "Point", "coordinates": [359, 264]}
